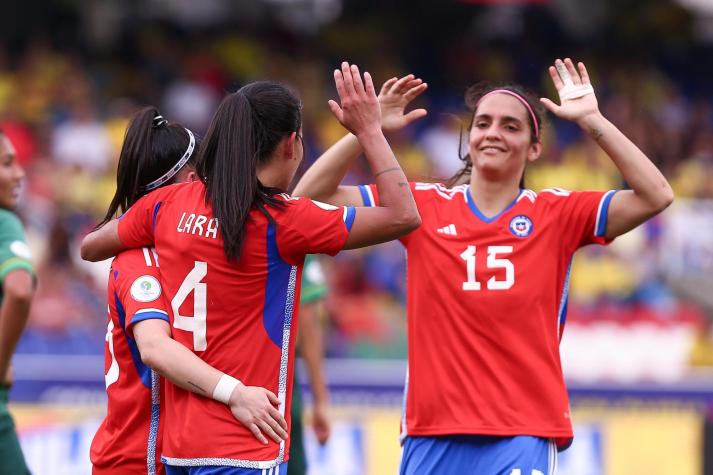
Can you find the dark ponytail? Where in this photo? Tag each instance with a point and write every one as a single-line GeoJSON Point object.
{"type": "Point", "coordinates": [473, 95]}
{"type": "Point", "coordinates": [152, 146]}
{"type": "Point", "coordinates": [244, 133]}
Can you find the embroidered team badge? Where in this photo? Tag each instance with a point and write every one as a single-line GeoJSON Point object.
{"type": "Point", "coordinates": [521, 226]}
{"type": "Point", "coordinates": [145, 289]}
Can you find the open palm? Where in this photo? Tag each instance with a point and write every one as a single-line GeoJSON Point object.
{"type": "Point", "coordinates": [572, 109]}
{"type": "Point", "coordinates": [394, 96]}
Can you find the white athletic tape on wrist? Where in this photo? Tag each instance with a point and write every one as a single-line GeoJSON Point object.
{"type": "Point", "coordinates": [224, 388]}
{"type": "Point", "coordinates": [570, 92]}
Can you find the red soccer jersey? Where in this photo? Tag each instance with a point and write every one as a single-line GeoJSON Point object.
{"type": "Point", "coordinates": [129, 438]}
{"type": "Point", "coordinates": [486, 305]}
{"type": "Point", "coordinates": [238, 317]}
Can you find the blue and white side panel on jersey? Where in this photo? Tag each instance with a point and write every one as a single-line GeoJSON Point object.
{"type": "Point", "coordinates": [367, 196]}
{"type": "Point", "coordinates": [404, 427]}
{"type": "Point", "coordinates": [600, 227]}
{"type": "Point", "coordinates": [154, 425]}
{"type": "Point", "coordinates": [562, 312]}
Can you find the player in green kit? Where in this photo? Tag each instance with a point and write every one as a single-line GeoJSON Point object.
{"type": "Point", "coordinates": [314, 290]}
{"type": "Point", "coordinates": [17, 279]}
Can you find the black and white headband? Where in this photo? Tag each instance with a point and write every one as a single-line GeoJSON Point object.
{"type": "Point", "coordinates": [174, 169]}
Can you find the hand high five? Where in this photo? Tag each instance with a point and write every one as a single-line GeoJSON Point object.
{"type": "Point", "coordinates": [395, 95]}
{"type": "Point", "coordinates": [577, 99]}
{"type": "Point", "coordinates": [359, 112]}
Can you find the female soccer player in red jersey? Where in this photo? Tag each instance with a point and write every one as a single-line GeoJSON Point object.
{"type": "Point", "coordinates": [155, 153]}
{"type": "Point", "coordinates": [232, 247]}
{"type": "Point", "coordinates": [487, 280]}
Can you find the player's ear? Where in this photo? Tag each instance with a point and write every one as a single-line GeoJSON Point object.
{"type": "Point", "coordinates": [534, 151]}
{"type": "Point", "coordinates": [192, 176]}
{"type": "Point", "coordinates": [290, 143]}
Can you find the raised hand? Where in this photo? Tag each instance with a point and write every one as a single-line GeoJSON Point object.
{"type": "Point", "coordinates": [395, 95]}
{"type": "Point", "coordinates": [571, 79]}
{"type": "Point", "coordinates": [359, 111]}
{"type": "Point", "coordinates": [256, 409]}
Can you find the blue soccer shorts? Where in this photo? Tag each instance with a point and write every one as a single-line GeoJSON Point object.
{"type": "Point", "coordinates": [223, 470]}
{"type": "Point", "coordinates": [476, 454]}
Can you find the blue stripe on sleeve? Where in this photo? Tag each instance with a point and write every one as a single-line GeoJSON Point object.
{"type": "Point", "coordinates": [604, 213]}
{"type": "Point", "coordinates": [152, 315]}
{"type": "Point", "coordinates": [349, 219]}
{"type": "Point", "coordinates": [143, 371]}
{"type": "Point", "coordinates": [365, 195]}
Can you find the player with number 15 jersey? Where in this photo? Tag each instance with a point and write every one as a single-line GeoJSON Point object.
{"type": "Point", "coordinates": [485, 323]}
{"type": "Point", "coordinates": [487, 280]}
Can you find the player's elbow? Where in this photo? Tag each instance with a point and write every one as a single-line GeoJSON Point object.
{"type": "Point", "coordinates": [151, 353]}
{"type": "Point", "coordinates": [663, 198]}
{"type": "Point", "coordinates": [87, 250]}
{"type": "Point", "coordinates": [667, 197]}
{"type": "Point", "coordinates": [20, 289]}
{"type": "Point", "coordinates": [409, 221]}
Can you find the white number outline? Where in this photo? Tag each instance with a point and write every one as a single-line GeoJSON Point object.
{"type": "Point", "coordinates": [195, 323]}
{"type": "Point", "coordinates": [112, 375]}
{"type": "Point", "coordinates": [493, 262]}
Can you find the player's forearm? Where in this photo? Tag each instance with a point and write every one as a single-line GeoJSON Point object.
{"type": "Point", "coordinates": [14, 313]}
{"type": "Point", "coordinates": [394, 191]}
{"type": "Point", "coordinates": [312, 351]}
{"type": "Point", "coordinates": [179, 365]}
{"type": "Point", "coordinates": [645, 180]}
{"type": "Point", "coordinates": [102, 243]}
{"type": "Point", "coordinates": [322, 179]}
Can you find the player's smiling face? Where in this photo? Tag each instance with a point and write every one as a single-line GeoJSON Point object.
{"type": "Point", "coordinates": [11, 174]}
{"type": "Point", "coordinates": [500, 139]}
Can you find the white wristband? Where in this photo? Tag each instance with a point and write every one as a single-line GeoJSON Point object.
{"type": "Point", "coordinates": [224, 388]}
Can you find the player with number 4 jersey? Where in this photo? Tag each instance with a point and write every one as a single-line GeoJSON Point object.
{"type": "Point", "coordinates": [139, 346]}
{"type": "Point", "coordinates": [232, 248]}
{"type": "Point", "coordinates": [487, 276]}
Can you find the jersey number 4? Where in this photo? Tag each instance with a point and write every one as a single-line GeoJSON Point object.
{"type": "Point", "coordinates": [196, 323]}
{"type": "Point", "coordinates": [493, 262]}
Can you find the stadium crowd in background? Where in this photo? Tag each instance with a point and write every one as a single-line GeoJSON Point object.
{"type": "Point", "coordinates": [66, 111]}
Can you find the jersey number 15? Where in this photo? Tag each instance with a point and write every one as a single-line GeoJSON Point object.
{"type": "Point", "coordinates": [493, 262]}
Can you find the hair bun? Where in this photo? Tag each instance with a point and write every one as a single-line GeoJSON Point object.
{"type": "Point", "coordinates": [158, 121]}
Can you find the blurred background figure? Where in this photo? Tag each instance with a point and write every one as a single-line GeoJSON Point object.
{"type": "Point", "coordinates": [637, 347]}
{"type": "Point", "coordinates": [17, 278]}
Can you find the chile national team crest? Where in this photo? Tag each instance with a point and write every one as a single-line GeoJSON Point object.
{"type": "Point", "coordinates": [521, 226]}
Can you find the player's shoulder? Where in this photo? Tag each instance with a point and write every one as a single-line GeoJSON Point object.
{"type": "Point", "coordinates": [297, 203]}
{"type": "Point", "coordinates": [178, 190]}
{"type": "Point", "coordinates": [438, 192]}
{"type": "Point", "coordinates": [552, 196]}
{"type": "Point", "coordinates": [9, 221]}
{"type": "Point", "coordinates": [134, 262]}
